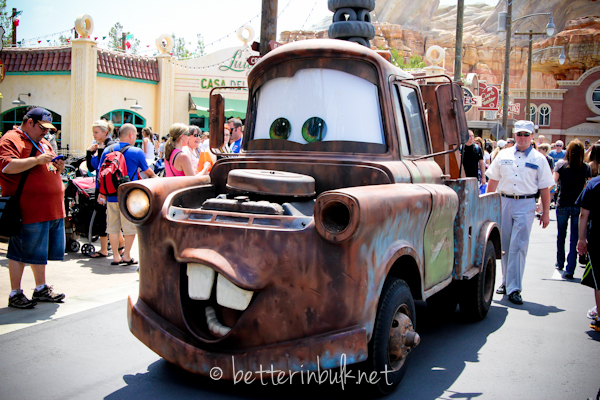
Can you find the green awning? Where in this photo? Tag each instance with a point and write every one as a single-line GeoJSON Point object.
{"type": "Point", "coordinates": [233, 108]}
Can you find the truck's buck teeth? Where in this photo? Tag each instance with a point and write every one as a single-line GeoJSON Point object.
{"type": "Point", "coordinates": [231, 296]}
{"type": "Point", "coordinates": [200, 281]}
{"type": "Point", "coordinates": [214, 326]}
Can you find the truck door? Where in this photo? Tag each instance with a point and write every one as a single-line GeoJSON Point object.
{"type": "Point", "coordinates": [413, 138]}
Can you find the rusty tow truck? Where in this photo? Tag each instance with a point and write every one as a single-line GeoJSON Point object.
{"type": "Point", "coordinates": [307, 250]}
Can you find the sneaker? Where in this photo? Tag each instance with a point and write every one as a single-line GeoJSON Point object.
{"type": "Point", "coordinates": [568, 276]}
{"type": "Point", "coordinates": [19, 300]}
{"type": "Point", "coordinates": [47, 294]}
{"type": "Point", "coordinates": [501, 289]}
{"type": "Point", "coordinates": [592, 313]}
{"type": "Point", "coordinates": [595, 325]}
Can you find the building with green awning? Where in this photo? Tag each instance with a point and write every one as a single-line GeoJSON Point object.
{"type": "Point", "coordinates": [233, 108]}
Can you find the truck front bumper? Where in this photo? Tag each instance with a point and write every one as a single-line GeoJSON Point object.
{"type": "Point", "coordinates": [326, 351]}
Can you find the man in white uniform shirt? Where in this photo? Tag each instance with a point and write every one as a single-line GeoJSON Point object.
{"type": "Point", "coordinates": [518, 173]}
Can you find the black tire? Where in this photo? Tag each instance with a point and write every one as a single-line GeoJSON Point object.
{"type": "Point", "coordinates": [363, 15]}
{"type": "Point", "coordinates": [476, 293]}
{"type": "Point", "coordinates": [340, 15]}
{"type": "Point", "coordinates": [88, 249]}
{"type": "Point", "coordinates": [335, 5]}
{"type": "Point", "coordinates": [348, 29]}
{"type": "Point", "coordinates": [395, 316]}
{"type": "Point", "coordinates": [360, 40]}
{"type": "Point", "coordinates": [73, 245]}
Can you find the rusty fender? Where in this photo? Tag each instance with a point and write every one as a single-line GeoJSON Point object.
{"type": "Point", "coordinates": [391, 221]}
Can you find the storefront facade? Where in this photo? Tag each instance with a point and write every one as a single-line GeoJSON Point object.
{"type": "Point", "coordinates": [80, 83]}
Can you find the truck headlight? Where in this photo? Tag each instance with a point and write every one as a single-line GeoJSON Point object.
{"type": "Point", "coordinates": [336, 216]}
{"type": "Point", "coordinates": [138, 203]}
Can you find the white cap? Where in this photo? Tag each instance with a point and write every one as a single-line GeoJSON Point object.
{"type": "Point", "coordinates": [524, 126]}
{"type": "Point", "coordinates": [501, 143]}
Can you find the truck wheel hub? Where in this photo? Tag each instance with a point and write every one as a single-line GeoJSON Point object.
{"type": "Point", "coordinates": [403, 338]}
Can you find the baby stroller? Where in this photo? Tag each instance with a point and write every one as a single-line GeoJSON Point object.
{"type": "Point", "coordinates": [80, 203]}
{"type": "Point", "coordinates": [72, 167]}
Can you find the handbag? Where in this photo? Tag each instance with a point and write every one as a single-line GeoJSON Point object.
{"type": "Point", "coordinates": [10, 208]}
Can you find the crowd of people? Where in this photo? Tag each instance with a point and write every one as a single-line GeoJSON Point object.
{"type": "Point", "coordinates": [523, 170]}
{"type": "Point", "coordinates": [31, 169]}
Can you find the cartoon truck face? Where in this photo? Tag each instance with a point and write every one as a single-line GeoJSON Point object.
{"type": "Point", "coordinates": [307, 250]}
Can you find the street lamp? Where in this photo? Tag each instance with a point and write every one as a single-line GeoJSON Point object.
{"type": "Point", "coordinates": [20, 102]}
{"type": "Point", "coordinates": [505, 25]}
{"type": "Point", "coordinates": [136, 106]}
{"type": "Point", "coordinates": [561, 59]}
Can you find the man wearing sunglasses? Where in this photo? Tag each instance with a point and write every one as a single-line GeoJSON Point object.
{"type": "Point", "coordinates": [559, 151]}
{"type": "Point", "coordinates": [518, 173]}
{"type": "Point", "coordinates": [42, 234]}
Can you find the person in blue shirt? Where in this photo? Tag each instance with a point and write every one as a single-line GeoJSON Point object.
{"type": "Point", "coordinates": [136, 161]}
{"type": "Point", "coordinates": [559, 152]}
{"type": "Point", "coordinates": [102, 131]}
{"type": "Point", "coordinates": [237, 136]}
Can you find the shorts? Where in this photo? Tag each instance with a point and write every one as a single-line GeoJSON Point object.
{"type": "Point", "coordinates": [593, 280]}
{"type": "Point", "coordinates": [116, 221]}
{"type": "Point", "coordinates": [38, 242]}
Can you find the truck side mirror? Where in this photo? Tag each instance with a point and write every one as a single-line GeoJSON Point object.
{"type": "Point", "coordinates": [216, 121]}
{"type": "Point", "coordinates": [452, 113]}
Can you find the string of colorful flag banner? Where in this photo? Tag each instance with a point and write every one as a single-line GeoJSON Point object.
{"type": "Point", "coordinates": [129, 38]}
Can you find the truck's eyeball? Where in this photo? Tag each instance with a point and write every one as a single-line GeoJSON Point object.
{"type": "Point", "coordinates": [314, 130]}
{"type": "Point", "coordinates": [138, 203]}
{"type": "Point", "coordinates": [280, 129]}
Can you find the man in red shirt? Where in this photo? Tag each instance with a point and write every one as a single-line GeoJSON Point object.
{"type": "Point", "coordinates": [42, 235]}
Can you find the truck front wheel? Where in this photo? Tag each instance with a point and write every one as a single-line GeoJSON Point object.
{"type": "Point", "coordinates": [476, 294]}
{"type": "Point", "coordinates": [394, 334]}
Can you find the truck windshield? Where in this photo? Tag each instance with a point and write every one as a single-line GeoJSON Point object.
{"type": "Point", "coordinates": [318, 110]}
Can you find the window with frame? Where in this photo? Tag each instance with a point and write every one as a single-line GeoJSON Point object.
{"type": "Point", "coordinates": [120, 117]}
{"type": "Point", "coordinates": [596, 96]}
{"type": "Point", "coordinates": [533, 113]}
{"type": "Point", "coordinates": [410, 123]}
{"type": "Point", "coordinates": [544, 115]}
{"type": "Point", "coordinates": [14, 117]}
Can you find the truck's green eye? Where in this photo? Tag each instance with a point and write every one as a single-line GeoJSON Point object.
{"type": "Point", "coordinates": [314, 129]}
{"type": "Point", "coordinates": [280, 129]}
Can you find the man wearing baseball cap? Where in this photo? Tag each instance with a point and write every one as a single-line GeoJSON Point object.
{"type": "Point", "coordinates": [42, 235]}
{"type": "Point", "coordinates": [518, 173]}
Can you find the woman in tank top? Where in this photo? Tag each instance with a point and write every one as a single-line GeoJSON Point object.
{"type": "Point", "coordinates": [177, 163]}
{"type": "Point", "coordinates": [148, 145]}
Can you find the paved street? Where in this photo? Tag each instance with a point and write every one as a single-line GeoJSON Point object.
{"type": "Point", "coordinates": [82, 349]}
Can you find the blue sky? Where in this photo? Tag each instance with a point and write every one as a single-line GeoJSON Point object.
{"type": "Point", "coordinates": [148, 19]}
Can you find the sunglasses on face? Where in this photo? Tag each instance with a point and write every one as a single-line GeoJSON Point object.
{"type": "Point", "coordinates": [43, 128]}
{"type": "Point", "coordinates": [559, 145]}
{"type": "Point", "coordinates": [197, 135]}
{"type": "Point", "coordinates": [526, 134]}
